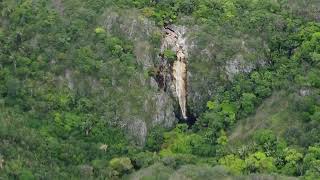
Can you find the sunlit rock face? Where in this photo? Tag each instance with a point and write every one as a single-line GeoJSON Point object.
{"type": "Point", "coordinates": [180, 79]}
{"type": "Point", "coordinates": [174, 40]}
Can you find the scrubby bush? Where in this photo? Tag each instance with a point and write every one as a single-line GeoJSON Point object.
{"type": "Point", "coordinates": [144, 159]}
{"type": "Point", "coordinates": [233, 163]}
{"type": "Point", "coordinates": [122, 165]}
{"type": "Point", "coordinates": [169, 55]}
{"type": "Point", "coordinates": [155, 139]}
{"type": "Point", "coordinates": [260, 163]}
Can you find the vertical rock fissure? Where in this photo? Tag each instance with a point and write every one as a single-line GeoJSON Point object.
{"type": "Point", "coordinates": [174, 41]}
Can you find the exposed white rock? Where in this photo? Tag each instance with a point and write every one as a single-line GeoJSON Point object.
{"type": "Point", "coordinates": [304, 92]}
{"type": "Point", "coordinates": [175, 40]}
{"type": "Point", "coordinates": [69, 79]}
{"type": "Point", "coordinates": [138, 129]}
{"type": "Point", "coordinates": [238, 65]}
{"type": "Point", "coordinates": [1, 161]}
{"type": "Point", "coordinates": [180, 79]}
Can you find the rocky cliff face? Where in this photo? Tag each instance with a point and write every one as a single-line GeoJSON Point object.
{"type": "Point", "coordinates": [158, 106]}
{"type": "Point", "coordinates": [175, 41]}
{"type": "Point", "coordinates": [205, 61]}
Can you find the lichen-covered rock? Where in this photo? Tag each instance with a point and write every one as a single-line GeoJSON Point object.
{"type": "Point", "coordinates": [238, 65]}
{"type": "Point", "coordinates": [137, 128]}
{"type": "Point", "coordinates": [133, 26]}
{"type": "Point", "coordinates": [164, 111]}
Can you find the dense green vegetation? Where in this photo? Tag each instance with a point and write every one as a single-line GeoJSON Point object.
{"type": "Point", "coordinates": [66, 84]}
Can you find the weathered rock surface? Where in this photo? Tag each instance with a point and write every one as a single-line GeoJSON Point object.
{"type": "Point", "coordinates": [138, 130]}
{"type": "Point", "coordinates": [214, 58]}
{"type": "Point", "coordinates": [158, 106]}
{"type": "Point", "coordinates": [175, 41]}
{"type": "Point", "coordinates": [238, 65]}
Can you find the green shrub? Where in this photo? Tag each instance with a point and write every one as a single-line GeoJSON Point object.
{"type": "Point", "coordinates": [260, 163]}
{"type": "Point", "coordinates": [155, 139]}
{"type": "Point", "coordinates": [144, 159]}
{"type": "Point", "coordinates": [122, 165]}
{"type": "Point", "coordinates": [169, 55]}
{"type": "Point", "coordinates": [233, 163]}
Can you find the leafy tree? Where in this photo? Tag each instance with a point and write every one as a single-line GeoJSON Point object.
{"type": "Point", "coordinates": [248, 101]}
{"type": "Point", "coordinates": [234, 163]}
{"type": "Point", "coordinates": [310, 49]}
{"type": "Point", "coordinates": [267, 140]}
{"type": "Point", "coordinates": [311, 162]}
{"type": "Point", "coordinates": [259, 162]}
{"type": "Point", "coordinates": [121, 165]}
{"type": "Point", "coordinates": [155, 139]}
{"type": "Point", "coordinates": [293, 159]}
{"type": "Point", "coordinates": [13, 86]}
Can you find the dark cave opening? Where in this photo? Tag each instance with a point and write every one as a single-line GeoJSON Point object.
{"type": "Point", "coordinates": [191, 118]}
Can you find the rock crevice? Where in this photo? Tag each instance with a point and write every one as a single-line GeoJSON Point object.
{"type": "Point", "coordinates": [174, 75]}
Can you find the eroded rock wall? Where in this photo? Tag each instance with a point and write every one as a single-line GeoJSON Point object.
{"type": "Point", "coordinates": [207, 58]}
{"type": "Point", "coordinates": [175, 41]}
{"type": "Point", "coordinates": [158, 106]}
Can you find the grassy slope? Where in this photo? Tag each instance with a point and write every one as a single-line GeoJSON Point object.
{"type": "Point", "coordinates": [274, 113]}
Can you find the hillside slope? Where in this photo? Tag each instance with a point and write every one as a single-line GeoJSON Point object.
{"type": "Point", "coordinates": [104, 89]}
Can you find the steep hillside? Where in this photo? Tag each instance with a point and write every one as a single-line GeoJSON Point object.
{"type": "Point", "coordinates": [159, 89]}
